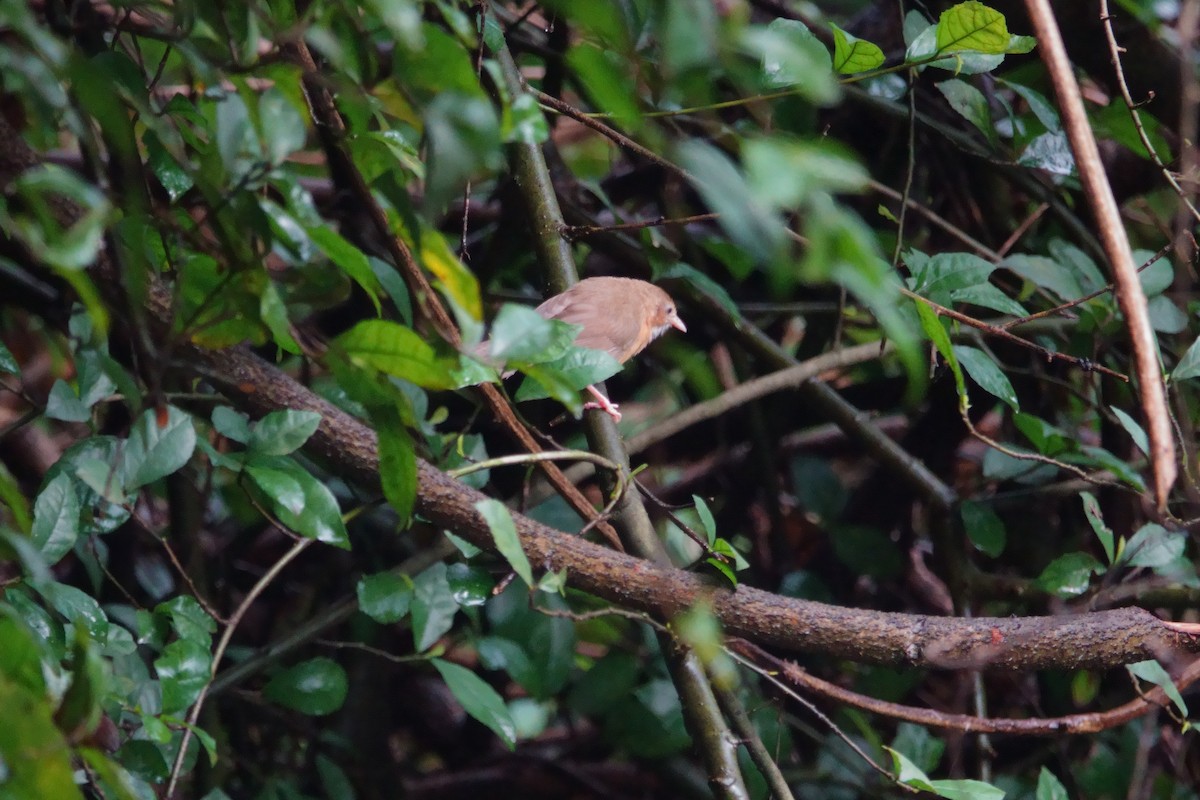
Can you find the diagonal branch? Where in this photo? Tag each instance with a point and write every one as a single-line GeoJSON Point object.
{"type": "Point", "coordinates": [1116, 247]}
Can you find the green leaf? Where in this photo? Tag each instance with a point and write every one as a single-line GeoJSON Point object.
{"type": "Point", "coordinates": [64, 404]}
{"type": "Point", "coordinates": [984, 528]}
{"type": "Point", "coordinates": [851, 54]}
{"type": "Point", "coordinates": [1049, 152]}
{"type": "Point", "coordinates": [348, 258]}
{"type": "Point", "coordinates": [792, 57]}
{"type": "Point", "coordinates": [1131, 427]}
{"type": "Point", "coordinates": [706, 518]}
{"type": "Point", "coordinates": [519, 333]}
{"type": "Point", "coordinates": [396, 350]}
{"type": "Point", "coordinates": [971, 104]}
{"type": "Point", "coordinates": [578, 369]}
{"type": "Point", "coordinates": [1048, 439]}
{"type": "Point", "coordinates": [524, 121]}
{"type": "Point", "coordinates": [784, 173]}
{"type": "Point", "coordinates": [80, 709]}
{"type": "Point", "coordinates": [1049, 787]}
{"type": "Point", "coordinates": [397, 464]}
{"type": "Point", "coordinates": [283, 490]}
{"type": "Point", "coordinates": [316, 687]}
{"type": "Point", "coordinates": [385, 597]}
{"type": "Point", "coordinates": [316, 517]}
{"type": "Point", "coordinates": [56, 520]}
{"type": "Point", "coordinates": [965, 790]}
{"type": "Point", "coordinates": [972, 26]}
{"type": "Point", "coordinates": [282, 432]}
{"type": "Point", "coordinates": [8, 363]}
{"type": "Point", "coordinates": [453, 278]}
{"type": "Point", "coordinates": [1038, 104]}
{"type": "Point", "coordinates": [34, 756]}
{"type": "Point", "coordinates": [984, 371]}
{"type": "Point", "coordinates": [1189, 365]}
{"type": "Point", "coordinates": [231, 424]}
{"type": "Point", "coordinates": [1091, 509]}
{"type": "Point", "coordinates": [931, 323]}
{"type": "Point", "coordinates": [1069, 575]}
{"type": "Point", "coordinates": [479, 700]}
{"type": "Point", "coordinates": [184, 669]}
{"type": "Point", "coordinates": [746, 220]}
{"type": "Point", "coordinates": [504, 534]}
{"type": "Point", "coordinates": [433, 607]}
{"type": "Point", "coordinates": [1154, 546]}
{"type": "Point", "coordinates": [606, 78]}
{"type": "Point", "coordinates": [909, 774]}
{"type": "Point", "coordinates": [985, 295]}
{"type": "Point", "coordinates": [867, 551]}
{"type": "Point", "coordinates": [463, 140]}
{"type": "Point", "coordinates": [281, 124]}
{"type": "Point", "coordinates": [918, 745]}
{"type": "Point", "coordinates": [274, 314]}
{"type": "Point", "coordinates": [158, 446]}
{"type": "Point", "coordinates": [1152, 672]}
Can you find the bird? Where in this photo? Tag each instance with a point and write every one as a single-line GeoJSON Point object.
{"type": "Point", "coordinates": [620, 316]}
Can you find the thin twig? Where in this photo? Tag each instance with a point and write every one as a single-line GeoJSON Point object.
{"type": "Point", "coordinates": [1130, 296]}
{"type": "Point", "coordinates": [1084, 364]}
{"type": "Point", "coordinates": [219, 652]}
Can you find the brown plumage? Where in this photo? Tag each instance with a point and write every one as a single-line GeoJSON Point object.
{"type": "Point", "coordinates": [620, 316]}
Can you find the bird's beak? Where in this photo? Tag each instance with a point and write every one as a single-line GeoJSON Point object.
{"type": "Point", "coordinates": [676, 322]}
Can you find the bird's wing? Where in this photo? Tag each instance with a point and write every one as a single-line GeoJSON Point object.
{"type": "Point", "coordinates": [601, 327]}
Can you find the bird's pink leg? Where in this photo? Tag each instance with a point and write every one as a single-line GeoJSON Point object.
{"type": "Point", "coordinates": [602, 402]}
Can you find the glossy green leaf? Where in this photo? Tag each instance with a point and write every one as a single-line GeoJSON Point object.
{"type": "Point", "coordinates": [519, 333]}
{"type": "Point", "coordinates": [463, 135]}
{"type": "Point", "coordinates": [504, 534]}
{"type": "Point", "coordinates": [348, 258]}
{"type": "Point", "coordinates": [316, 687]}
{"type": "Point", "coordinates": [317, 517]}
{"type": "Point", "coordinates": [851, 54]}
{"type": "Point", "coordinates": [397, 464]}
{"type": "Point", "coordinates": [1152, 672]}
{"type": "Point", "coordinates": [385, 597]}
{"type": "Point", "coordinates": [603, 74]}
{"type": "Point", "coordinates": [931, 323]}
{"type": "Point", "coordinates": [8, 362]}
{"type": "Point", "coordinates": [1154, 546]}
{"type": "Point", "coordinates": [56, 521]}
{"type": "Point", "coordinates": [790, 56]}
{"type": "Point", "coordinates": [1069, 575]}
{"type": "Point", "coordinates": [983, 527]}
{"type": "Point", "coordinates": [34, 756]}
{"type": "Point", "coordinates": [282, 432]}
{"type": "Point", "coordinates": [397, 350]}
{"type": "Point", "coordinates": [783, 173]}
{"type": "Point", "coordinates": [80, 710]}
{"type": "Point", "coordinates": [971, 104]}
{"type": "Point", "coordinates": [1049, 152]}
{"type": "Point", "coordinates": [1049, 787]}
{"type": "Point", "coordinates": [985, 372]}
{"type": "Point", "coordinates": [578, 369]}
{"type": "Point", "coordinates": [184, 669]}
{"type": "Point", "coordinates": [972, 26]}
{"type": "Point", "coordinates": [479, 700]}
{"type": "Point", "coordinates": [937, 277]}
{"type": "Point", "coordinates": [1091, 509]}
{"type": "Point", "coordinates": [433, 607]}
{"type": "Point", "coordinates": [1135, 431]}
{"type": "Point", "coordinates": [1189, 365]}
{"type": "Point", "coordinates": [159, 445]}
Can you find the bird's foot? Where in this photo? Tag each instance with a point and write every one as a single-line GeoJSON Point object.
{"type": "Point", "coordinates": [604, 404]}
